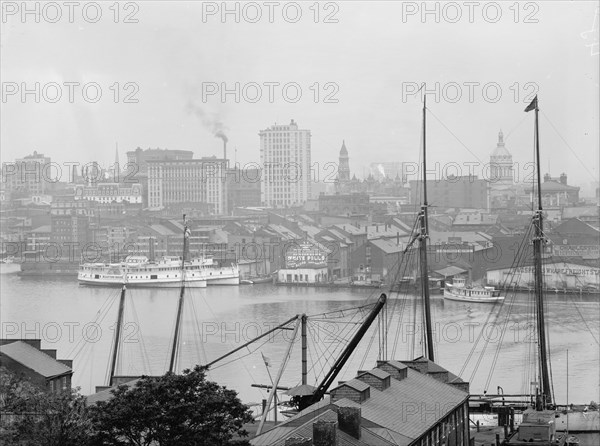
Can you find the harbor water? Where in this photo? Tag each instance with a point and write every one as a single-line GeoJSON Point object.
{"type": "Point", "coordinates": [79, 323]}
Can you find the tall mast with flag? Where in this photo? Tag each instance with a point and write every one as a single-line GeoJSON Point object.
{"type": "Point", "coordinates": [545, 396]}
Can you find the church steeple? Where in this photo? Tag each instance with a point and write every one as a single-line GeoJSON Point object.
{"type": "Point", "coordinates": [344, 164]}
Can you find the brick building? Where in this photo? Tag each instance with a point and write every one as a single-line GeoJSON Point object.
{"type": "Point", "coordinates": [26, 359]}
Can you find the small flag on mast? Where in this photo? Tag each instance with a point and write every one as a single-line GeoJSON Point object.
{"type": "Point", "coordinates": [533, 105]}
{"type": "Point", "coordinates": [266, 359]}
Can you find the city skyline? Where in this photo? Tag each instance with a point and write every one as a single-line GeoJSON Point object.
{"type": "Point", "coordinates": [179, 81]}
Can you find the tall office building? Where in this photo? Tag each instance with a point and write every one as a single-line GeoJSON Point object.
{"type": "Point", "coordinates": [285, 159]}
{"type": "Point", "coordinates": [188, 181]}
{"type": "Point", "coordinates": [31, 174]}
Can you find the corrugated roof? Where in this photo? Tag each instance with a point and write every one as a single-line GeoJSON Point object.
{"type": "Point", "coordinates": [399, 414]}
{"type": "Point", "coordinates": [278, 435]}
{"type": "Point", "coordinates": [35, 359]}
{"type": "Point", "coordinates": [395, 407]}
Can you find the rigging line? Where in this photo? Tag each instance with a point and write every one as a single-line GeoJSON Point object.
{"type": "Point", "coordinates": [319, 356]}
{"type": "Point", "coordinates": [399, 325]}
{"type": "Point", "coordinates": [313, 364]}
{"type": "Point", "coordinates": [197, 333]}
{"type": "Point", "coordinates": [312, 361]}
{"type": "Point", "coordinates": [486, 341]}
{"type": "Point", "coordinates": [105, 307]}
{"type": "Point", "coordinates": [569, 147]}
{"type": "Point", "coordinates": [360, 307]}
{"type": "Point", "coordinates": [455, 137]}
{"type": "Point", "coordinates": [250, 352]}
{"type": "Point", "coordinates": [499, 346]}
{"type": "Point", "coordinates": [144, 351]}
{"type": "Point", "coordinates": [584, 321]}
{"type": "Point", "coordinates": [319, 351]}
{"type": "Point", "coordinates": [330, 321]}
{"type": "Point", "coordinates": [400, 315]}
{"type": "Point", "coordinates": [525, 117]}
{"type": "Point", "coordinates": [326, 358]}
{"type": "Point", "coordinates": [335, 336]}
{"type": "Point", "coordinates": [107, 370]}
{"type": "Point", "coordinates": [83, 341]}
{"type": "Point", "coordinates": [367, 350]}
{"type": "Point", "coordinates": [503, 333]}
{"type": "Point", "coordinates": [350, 334]}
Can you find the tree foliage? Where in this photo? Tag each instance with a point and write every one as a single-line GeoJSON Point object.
{"type": "Point", "coordinates": [171, 410]}
{"type": "Point", "coordinates": [32, 416]}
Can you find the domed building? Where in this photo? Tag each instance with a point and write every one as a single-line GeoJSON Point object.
{"type": "Point", "coordinates": [502, 187]}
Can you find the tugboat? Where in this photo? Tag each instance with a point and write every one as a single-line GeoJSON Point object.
{"type": "Point", "coordinates": [459, 290]}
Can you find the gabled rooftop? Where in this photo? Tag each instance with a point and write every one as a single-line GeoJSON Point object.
{"type": "Point", "coordinates": [398, 414]}
{"type": "Point", "coordinates": [35, 359]}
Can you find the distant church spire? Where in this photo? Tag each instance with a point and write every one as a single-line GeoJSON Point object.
{"type": "Point", "coordinates": [344, 164]}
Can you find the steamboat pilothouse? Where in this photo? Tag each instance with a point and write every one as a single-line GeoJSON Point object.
{"type": "Point", "coordinates": [139, 271]}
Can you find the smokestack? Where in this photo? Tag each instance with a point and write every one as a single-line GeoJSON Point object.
{"type": "Point", "coordinates": [221, 135]}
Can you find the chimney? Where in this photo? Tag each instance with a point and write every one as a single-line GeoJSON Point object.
{"type": "Point", "coordinates": [225, 150]}
{"type": "Point", "coordinates": [376, 378]}
{"type": "Point", "coordinates": [396, 369]}
{"type": "Point", "coordinates": [547, 177]}
{"type": "Point", "coordinates": [349, 421]}
{"type": "Point", "coordinates": [355, 390]}
{"type": "Point", "coordinates": [325, 433]}
{"type": "Point", "coordinates": [563, 178]}
{"type": "Point", "coordinates": [49, 352]}
{"type": "Point", "coordinates": [298, 441]}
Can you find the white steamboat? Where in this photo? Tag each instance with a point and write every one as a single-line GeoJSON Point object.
{"type": "Point", "coordinates": [458, 290]}
{"type": "Point", "coordinates": [139, 271]}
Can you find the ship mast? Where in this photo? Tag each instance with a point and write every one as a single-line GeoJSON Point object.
{"type": "Point", "coordinates": [117, 340]}
{"type": "Point", "coordinates": [545, 399]}
{"type": "Point", "coordinates": [174, 348]}
{"type": "Point", "coordinates": [424, 235]}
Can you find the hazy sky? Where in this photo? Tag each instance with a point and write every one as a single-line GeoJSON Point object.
{"type": "Point", "coordinates": [374, 52]}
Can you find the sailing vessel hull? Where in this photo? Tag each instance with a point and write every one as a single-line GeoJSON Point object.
{"type": "Point", "coordinates": [233, 280]}
{"type": "Point", "coordinates": [142, 284]}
